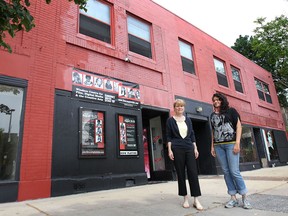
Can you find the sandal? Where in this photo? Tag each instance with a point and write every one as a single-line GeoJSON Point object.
{"type": "Point", "coordinates": [185, 205]}
{"type": "Point", "coordinates": [198, 206]}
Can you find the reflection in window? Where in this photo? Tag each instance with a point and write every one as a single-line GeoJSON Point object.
{"type": "Point", "coordinates": [248, 147]}
{"type": "Point", "coordinates": [221, 73]}
{"type": "Point", "coordinates": [270, 146]}
{"type": "Point", "coordinates": [237, 79]}
{"type": "Point", "coordinates": [186, 57]}
{"type": "Point", "coordinates": [263, 91]}
{"type": "Point", "coordinates": [11, 99]}
{"type": "Point", "coordinates": [139, 36]}
{"type": "Point", "coordinates": [96, 21]}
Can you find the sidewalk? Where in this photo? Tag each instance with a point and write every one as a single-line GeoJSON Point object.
{"type": "Point", "coordinates": [268, 193]}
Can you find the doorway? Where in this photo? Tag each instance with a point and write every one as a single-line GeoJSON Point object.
{"type": "Point", "coordinates": [158, 167]}
{"type": "Point", "coordinates": [205, 162]}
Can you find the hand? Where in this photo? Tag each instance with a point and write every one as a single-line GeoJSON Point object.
{"type": "Point", "coordinates": [236, 149]}
{"type": "Point", "coordinates": [213, 153]}
{"type": "Point", "coordinates": [171, 155]}
{"type": "Point", "coordinates": [196, 153]}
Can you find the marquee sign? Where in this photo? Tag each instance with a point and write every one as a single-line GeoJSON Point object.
{"type": "Point", "coordinates": [105, 89]}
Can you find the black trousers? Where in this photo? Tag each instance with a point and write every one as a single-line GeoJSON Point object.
{"type": "Point", "coordinates": [185, 160]}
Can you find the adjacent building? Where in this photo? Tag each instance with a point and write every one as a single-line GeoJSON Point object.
{"type": "Point", "coordinates": [85, 96]}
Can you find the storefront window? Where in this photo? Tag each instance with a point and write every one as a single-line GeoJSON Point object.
{"type": "Point", "coordinates": [270, 146]}
{"type": "Point", "coordinates": [11, 99]}
{"type": "Point", "coordinates": [248, 148]}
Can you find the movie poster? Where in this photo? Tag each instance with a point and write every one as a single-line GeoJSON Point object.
{"type": "Point", "coordinates": [92, 133]}
{"type": "Point", "coordinates": [128, 145]}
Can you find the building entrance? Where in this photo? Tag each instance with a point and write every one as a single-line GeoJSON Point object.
{"type": "Point", "coordinates": [205, 162]}
{"type": "Point", "coordinates": [158, 167]}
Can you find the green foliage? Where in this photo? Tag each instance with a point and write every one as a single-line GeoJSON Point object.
{"type": "Point", "coordinates": [14, 90]}
{"type": "Point", "coordinates": [15, 16]}
{"type": "Point", "coordinates": [269, 49]}
{"type": "Point", "coordinates": [243, 45]}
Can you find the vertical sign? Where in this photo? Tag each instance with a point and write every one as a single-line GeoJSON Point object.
{"type": "Point", "coordinates": [128, 144]}
{"type": "Point", "coordinates": [91, 133]}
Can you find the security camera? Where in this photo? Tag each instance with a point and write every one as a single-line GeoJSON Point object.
{"type": "Point", "coordinates": [127, 59]}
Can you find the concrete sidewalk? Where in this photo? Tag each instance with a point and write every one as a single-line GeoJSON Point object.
{"type": "Point", "coordinates": [268, 193]}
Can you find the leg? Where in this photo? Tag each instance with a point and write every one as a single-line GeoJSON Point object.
{"type": "Point", "coordinates": [192, 174]}
{"type": "Point", "coordinates": [233, 162]}
{"type": "Point", "coordinates": [179, 163]}
{"type": "Point", "coordinates": [193, 180]}
{"type": "Point", "coordinates": [221, 153]}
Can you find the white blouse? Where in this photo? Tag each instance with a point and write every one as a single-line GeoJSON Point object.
{"type": "Point", "coordinates": [182, 128]}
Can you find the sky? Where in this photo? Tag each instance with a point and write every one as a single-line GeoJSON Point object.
{"type": "Point", "coordinates": [225, 20]}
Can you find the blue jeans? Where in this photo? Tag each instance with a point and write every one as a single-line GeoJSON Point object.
{"type": "Point", "coordinates": [229, 163]}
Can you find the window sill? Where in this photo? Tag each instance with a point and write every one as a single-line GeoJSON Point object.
{"type": "Point", "coordinates": [90, 43]}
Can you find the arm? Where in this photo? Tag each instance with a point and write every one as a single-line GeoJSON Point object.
{"type": "Point", "coordinates": [212, 145]}
{"type": "Point", "coordinates": [169, 138]}
{"type": "Point", "coordinates": [170, 152]}
{"type": "Point", "coordinates": [195, 150]}
{"type": "Point", "coordinates": [236, 149]}
{"type": "Point", "coordinates": [193, 139]}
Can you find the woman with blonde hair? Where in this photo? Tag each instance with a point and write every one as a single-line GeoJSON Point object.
{"type": "Point", "coordinates": [183, 151]}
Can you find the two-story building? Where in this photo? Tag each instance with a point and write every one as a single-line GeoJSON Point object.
{"type": "Point", "coordinates": [85, 96]}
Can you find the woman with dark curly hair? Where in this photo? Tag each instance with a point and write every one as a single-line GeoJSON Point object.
{"type": "Point", "coordinates": [226, 135]}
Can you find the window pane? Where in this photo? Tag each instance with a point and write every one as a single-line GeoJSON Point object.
{"type": "Point", "coordinates": [238, 86]}
{"type": "Point", "coordinates": [95, 29]}
{"type": "Point", "coordinates": [271, 147]}
{"type": "Point", "coordinates": [222, 79]}
{"type": "Point", "coordinates": [219, 67]}
{"type": "Point", "coordinates": [258, 84]}
{"type": "Point", "coordinates": [185, 50]}
{"type": "Point", "coordinates": [138, 28]}
{"type": "Point", "coordinates": [266, 89]}
{"type": "Point", "coordinates": [139, 46]}
{"type": "Point", "coordinates": [11, 99]}
{"type": "Point", "coordinates": [261, 95]}
{"type": "Point", "coordinates": [248, 147]}
{"type": "Point", "coordinates": [98, 11]}
{"type": "Point", "coordinates": [188, 65]}
{"type": "Point", "coordinates": [268, 98]}
{"type": "Point", "coordinates": [235, 74]}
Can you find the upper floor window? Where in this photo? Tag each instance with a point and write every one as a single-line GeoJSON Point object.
{"type": "Point", "coordinates": [139, 36]}
{"type": "Point", "coordinates": [237, 79]}
{"type": "Point", "coordinates": [186, 57]}
{"type": "Point", "coordinates": [263, 91]}
{"type": "Point", "coordinates": [96, 22]}
{"type": "Point", "coordinates": [221, 73]}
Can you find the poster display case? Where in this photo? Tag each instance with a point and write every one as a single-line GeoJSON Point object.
{"type": "Point", "coordinates": [92, 133]}
{"type": "Point", "coordinates": [127, 136]}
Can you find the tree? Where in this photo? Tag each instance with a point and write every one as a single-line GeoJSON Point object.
{"type": "Point", "coordinates": [15, 16]}
{"type": "Point", "coordinates": [269, 49]}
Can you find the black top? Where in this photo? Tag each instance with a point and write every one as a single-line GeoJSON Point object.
{"type": "Point", "coordinates": [173, 134]}
{"type": "Point", "coordinates": [224, 125]}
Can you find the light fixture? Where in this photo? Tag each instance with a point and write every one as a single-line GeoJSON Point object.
{"type": "Point", "coordinates": [127, 59]}
{"type": "Point", "coordinates": [199, 109]}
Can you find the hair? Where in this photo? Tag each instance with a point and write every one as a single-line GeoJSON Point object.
{"type": "Point", "coordinates": [179, 102]}
{"type": "Point", "coordinates": [224, 102]}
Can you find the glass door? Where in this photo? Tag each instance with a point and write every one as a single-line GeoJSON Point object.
{"type": "Point", "coordinates": [156, 142]}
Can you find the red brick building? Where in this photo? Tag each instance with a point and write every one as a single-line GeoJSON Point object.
{"type": "Point", "coordinates": [64, 129]}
